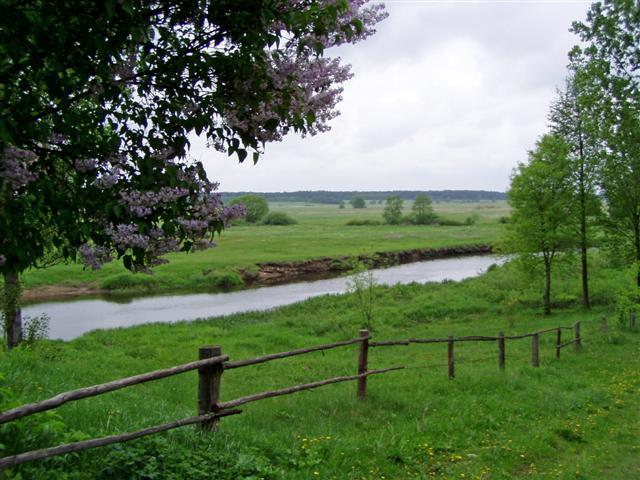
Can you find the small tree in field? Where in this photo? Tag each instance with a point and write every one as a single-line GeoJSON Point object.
{"type": "Point", "coordinates": [541, 197]}
{"type": "Point", "coordinates": [393, 210]}
{"type": "Point", "coordinates": [423, 210]}
{"type": "Point", "coordinates": [255, 207]}
{"type": "Point", "coordinates": [358, 202]}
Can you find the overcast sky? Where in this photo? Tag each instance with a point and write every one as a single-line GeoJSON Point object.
{"type": "Point", "coordinates": [447, 95]}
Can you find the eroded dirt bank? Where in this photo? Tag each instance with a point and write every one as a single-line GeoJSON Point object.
{"type": "Point", "coordinates": [270, 273]}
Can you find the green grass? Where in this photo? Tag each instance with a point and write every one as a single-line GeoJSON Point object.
{"type": "Point", "coordinates": [320, 231]}
{"type": "Point", "coordinates": [576, 418]}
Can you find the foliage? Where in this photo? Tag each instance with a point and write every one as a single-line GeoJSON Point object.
{"type": "Point", "coordinates": [279, 218]}
{"type": "Point", "coordinates": [541, 196]}
{"type": "Point", "coordinates": [255, 207]}
{"type": "Point", "coordinates": [358, 202]}
{"type": "Point", "coordinates": [393, 210]}
{"type": "Point", "coordinates": [94, 148]}
{"type": "Point", "coordinates": [362, 284]}
{"type": "Point", "coordinates": [423, 210]}
{"type": "Point", "coordinates": [609, 59]}
{"type": "Point", "coordinates": [341, 204]}
{"type": "Point", "coordinates": [361, 223]}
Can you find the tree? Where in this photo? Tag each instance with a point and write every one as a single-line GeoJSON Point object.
{"type": "Point", "coordinates": [393, 210]}
{"type": "Point", "coordinates": [540, 196]}
{"type": "Point", "coordinates": [571, 119]}
{"type": "Point", "coordinates": [255, 207]}
{"type": "Point", "coordinates": [610, 55]}
{"type": "Point", "coordinates": [423, 210]}
{"type": "Point", "coordinates": [99, 99]}
{"type": "Point", "coordinates": [358, 202]}
{"type": "Point", "coordinates": [341, 204]}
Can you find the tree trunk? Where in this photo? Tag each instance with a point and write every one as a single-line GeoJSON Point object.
{"type": "Point", "coordinates": [583, 216]}
{"type": "Point", "coordinates": [547, 286]}
{"type": "Point", "coordinates": [12, 311]}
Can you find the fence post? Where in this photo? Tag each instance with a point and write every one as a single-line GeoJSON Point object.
{"type": "Point", "coordinates": [535, 349]}
{"type": "Point", "coordinates": [452, 367]}
{"type": "Point", "coordinates": [363, 363]}
{"type": "Point", "coordinates": [558, 341]}
{"type": "Point", "coordinates": [209, 385]}
{"type": "Point", "coordinates": [576, 328]}
{"type": "Point", "coordinates": [603, 326]}
{"type": "Point", "coordinates": [501, 349]}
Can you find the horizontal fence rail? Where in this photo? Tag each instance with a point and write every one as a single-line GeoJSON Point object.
{"type": "Point", "coordinates": [212, 364]}
{"type": "Point", "coordinates": [65, 397]}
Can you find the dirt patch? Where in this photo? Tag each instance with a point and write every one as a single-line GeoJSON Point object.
{"type": "Point", "coordinates": [270, 273]}
{"type": "Point", "coordinates": [55, 292]}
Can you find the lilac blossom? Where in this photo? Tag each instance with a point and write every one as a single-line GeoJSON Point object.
{"type": "Point", "coordinates": [86, 165]}
{"type": "Point", "coordinates": [15, 167]}
{"type": "Point", "coordinates": [94, 256]}
{"type": "Point", "coordinates": [141, 204]}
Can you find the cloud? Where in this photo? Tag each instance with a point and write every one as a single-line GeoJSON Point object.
{"type": "Point", "coordinates": [446, 95]}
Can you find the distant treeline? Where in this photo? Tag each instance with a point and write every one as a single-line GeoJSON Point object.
{"type": "Point", "coordinates": [324, 196]}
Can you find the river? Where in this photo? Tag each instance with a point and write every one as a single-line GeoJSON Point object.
{"type": "Point", "coordinates": [70, 319]}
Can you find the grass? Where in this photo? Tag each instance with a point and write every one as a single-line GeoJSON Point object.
{"type": "Point", "coordinates": [320, 231]}
{"type": "Point", "coordinates": [576, 418]}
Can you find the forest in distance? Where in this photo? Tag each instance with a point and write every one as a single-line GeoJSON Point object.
{"type": "Point", "coordinates": [329, 196]}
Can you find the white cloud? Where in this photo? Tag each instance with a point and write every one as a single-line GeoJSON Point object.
{"type": "Point", "coordinates": [446, 95]}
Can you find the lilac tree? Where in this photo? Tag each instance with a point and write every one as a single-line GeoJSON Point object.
{"type": "Point", "coordinates": [98, 102]}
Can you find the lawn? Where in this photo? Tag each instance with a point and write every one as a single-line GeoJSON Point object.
{"type": "Point", "coordinates": [573, 418]}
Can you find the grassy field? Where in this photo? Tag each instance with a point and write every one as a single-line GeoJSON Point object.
{"type": "Point", "coordinates": [576, 418]}
{"type": "Point", "coordinates": [320, 231]}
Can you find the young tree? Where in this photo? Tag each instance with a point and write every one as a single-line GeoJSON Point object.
{"type": "Point", "coordinates": [423, 210]}
{"type": "Point", "coordinates": [611, 54]}
{"type": "Point", "coordinates": [98, 100]}
{"type": "Point", "coordinates": [393, 210]}
{"type": "Point", "coordinates": [358, 202]}
{"type": "Point", "coordinates": [255, 207]}
{"type": "Point", "coordinates": [571, 119]}
{"type": "Point", "coordinates": [540, 196]}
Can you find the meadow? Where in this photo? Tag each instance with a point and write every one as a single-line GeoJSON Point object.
{"type": "Point", "coordinates": [573, 418]}
{"type": "Point", "coordinates": [320, 232]}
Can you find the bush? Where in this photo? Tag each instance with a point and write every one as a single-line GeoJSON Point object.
{"type": "Point", "coordinates": [504, 220]}
{"type": "Point", "coordinates": [128, 280]}
{"type": "Point", "coordinates": [257, 207]}
{"type": "Point", "coordinates": [358, 202]}
{"type": "Point", "coordinates": [278, 218]}
{"type": "Point", "coordinates": [361, 223]}
{"type": "Point", "coordinates": [447, 222]}
{"type": "Point", "coordinates": [224, 280]}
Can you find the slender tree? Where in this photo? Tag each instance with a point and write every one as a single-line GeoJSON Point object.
{"type": "Point", "coordinates": [423, 210]}
{"type": "Point", "coordinates": [98, 101]}
{"type": "Point", "coordinates": [611, 50]}
{"type": "Point", "coordinates": [541, 198]}
{"type": "Point", "coordinates": [571, 118]}
{"type": "Point", "coordinates": [393, 210]}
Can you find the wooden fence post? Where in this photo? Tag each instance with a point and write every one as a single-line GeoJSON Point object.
{"type": "Point", "coordinates": [535, 349]}
{"type": "Point", "coordinates": [501, 349]}
{"type": "Point", "coordinates": [209, 385]}
{"type": "Point", "coordinates": [603, 326]}
{"type": "Point", "coordinates": [363, 363]}
{"type": "Point", "coordinates": [452, 367]}
{"type": "Point", "coordinates": [576, 328]}
{"type": "Point", "coordinates": [558, 342]}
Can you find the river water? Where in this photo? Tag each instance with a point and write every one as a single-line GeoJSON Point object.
{"type": "Point", "coordinates": [70, 319]}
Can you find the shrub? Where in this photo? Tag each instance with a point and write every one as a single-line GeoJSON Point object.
{"type": "Point", "coordinates": [358, 202]}
{"type": "Point", "coordinates": [225, 279]}
{"type": "Point", "coordinates": [278, 218]}
{"type": "Point", "coordinates": [361, 223]}
{"type": "Point", "coordinates": [257, 207]}
{"type": "Point", "coordinates": [128, 280]}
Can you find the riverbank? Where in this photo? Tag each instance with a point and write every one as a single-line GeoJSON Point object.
{"type": "Point", "coordinates": [321, 233]}
{"type": "Point", "coordinates": [267, 273]}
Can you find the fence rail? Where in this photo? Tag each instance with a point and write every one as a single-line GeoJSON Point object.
{"type": "Point", "coordinates": [213, 363]}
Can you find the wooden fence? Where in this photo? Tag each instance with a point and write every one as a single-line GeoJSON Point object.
{"type": "Point", "coordinates": [213, 363]}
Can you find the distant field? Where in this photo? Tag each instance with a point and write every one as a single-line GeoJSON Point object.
{"type": "Point", "coordinates": [320, 231]}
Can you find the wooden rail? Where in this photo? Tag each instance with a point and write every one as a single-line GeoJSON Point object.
{"type": "Point", "coordinates": [213, 363]}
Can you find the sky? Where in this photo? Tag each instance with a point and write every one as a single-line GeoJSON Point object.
{"type": "Point", "coordinates": [446, 95]}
